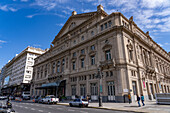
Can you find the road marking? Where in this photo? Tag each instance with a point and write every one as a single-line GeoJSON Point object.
{"type": "Point", "coordinates": [71, 110]}
{"type": "Point", "coordinates": [40, 110]}
{"type": "Point", "coordinates": [26, 107]}
{"type": "Point", "coordinates": [32, 109]}
{"type": "Point", "coordinates": [49, 112]}
{"type": "Point", "coordinates": [49, 107]}
{"type": "Point", "coordinates": [83, 111]}
{"type": "Point", "coordinates": [59, 108]}
{"type": "Point", "coordinates": [37, 105]}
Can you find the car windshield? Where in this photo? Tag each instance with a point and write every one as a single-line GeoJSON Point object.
{"type": "Point", "coordinates": [52, 96]}
{"type": "Point", "coordinates": [27, 93]}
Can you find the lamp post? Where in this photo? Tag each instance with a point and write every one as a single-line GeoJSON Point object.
{"type": "Point", "coordinates": [99, 75]}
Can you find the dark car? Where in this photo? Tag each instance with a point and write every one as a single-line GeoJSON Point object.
{"type": "Point", "coordinates": [26, 97]}
{"type": "Point", "coordinates": [38, 99]}
{"type": "Point", "coordinates": [12, 97]}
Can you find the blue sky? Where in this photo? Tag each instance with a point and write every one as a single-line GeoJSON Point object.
{"type": "Point", "coordinates": [36, 22]}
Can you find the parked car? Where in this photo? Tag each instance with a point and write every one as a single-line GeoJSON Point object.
{"type": "Point", "coordinates": [26, 95]}
{"type": "Point", "coordinates": [50, 99]}
{"type": "Point", "coordinates": [79, 102]}
{"type": "Point", "coordinates": [3, 97]}
{"type": "Point", "coordinates": [12, 97]}
{"type": "Point", "coordinates": [38, 99]}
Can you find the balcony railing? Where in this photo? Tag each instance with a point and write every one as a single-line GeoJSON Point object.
{"type": "Point", "coordinates": [107, 63]}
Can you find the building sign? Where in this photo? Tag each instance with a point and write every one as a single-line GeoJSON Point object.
{"type": "Point", "coordinates": [125, 90]}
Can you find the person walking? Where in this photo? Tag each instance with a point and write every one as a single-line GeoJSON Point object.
{"type": "Point", "coordinates": [129, 97]}
{"type": "Point", "coordinates": [142, 99]}
{"type": "Point", "coordinates": [138, 99]}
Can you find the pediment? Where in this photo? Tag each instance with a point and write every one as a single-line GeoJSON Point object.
{"type": "Point", "coordinates": [73, 21]}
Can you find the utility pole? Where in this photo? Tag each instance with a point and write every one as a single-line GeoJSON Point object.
{"type": "Point", "coordinates": [99, 76]}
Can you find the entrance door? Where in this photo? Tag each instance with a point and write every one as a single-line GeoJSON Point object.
{"type": "Point", "coordinates": [111, 91]}
{"type": "Point", "coordinates": [134, 91]}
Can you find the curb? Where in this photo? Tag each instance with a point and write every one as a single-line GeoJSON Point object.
{"type": "Point", "coordinates": [108, 108]}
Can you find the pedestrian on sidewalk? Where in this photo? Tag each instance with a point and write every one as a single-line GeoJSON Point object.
{"type": "Point", "coordinates": [138, 99]}
{"type": "Point", "coordinates": [129, 97]}
{"type": "Point", "coordinates": [142, 99]}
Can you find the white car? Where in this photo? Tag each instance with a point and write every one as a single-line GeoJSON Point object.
{"type": "Point", "coordinates": [3, 97]}
{"type": "Point", "coordinates": [50, 99]}
{"type": "Point", "coordinates": [79, 102]}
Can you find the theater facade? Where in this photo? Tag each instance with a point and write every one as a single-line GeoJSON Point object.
{"type": "Point", "coordinates": [128, 59]}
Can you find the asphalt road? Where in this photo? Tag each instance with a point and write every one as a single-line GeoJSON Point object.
{"type": "Point", "coordinates": [27, 107]}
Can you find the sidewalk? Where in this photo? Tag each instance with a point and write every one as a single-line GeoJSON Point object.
{"type": "Point", "coordinates": [150, 107]}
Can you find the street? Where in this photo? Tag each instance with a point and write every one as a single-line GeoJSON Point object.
{"type": "Point", "coordinates": [27, 107]}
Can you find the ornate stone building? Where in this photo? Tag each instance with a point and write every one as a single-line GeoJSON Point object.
{"type": "Point", "coordinates": [131, 62]}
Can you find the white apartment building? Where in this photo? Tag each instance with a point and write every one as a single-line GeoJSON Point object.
{"type": "Point", "coordinates": [20, 68]}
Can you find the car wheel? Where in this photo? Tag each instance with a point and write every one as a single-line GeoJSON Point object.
{"type": "Point", "coordinates": [81, 105]}
{"type": "Point", "coordinates": [48, 102]}
{"type": "Point", "coordinates": [71, 105]}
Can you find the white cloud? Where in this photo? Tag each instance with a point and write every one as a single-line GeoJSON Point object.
{"type": "Point", "coordinates": [61, 24]}
{"type": "Point", "coordinates": [155, 3]}
{"type": "Point", "coordinates": [167, 43]}
{"type": "Point", "coordinates": [87, 10]}
{"type": "Point", "coordinates": [36, 45]}
{"type": "Point", "coordinates": [24, 0]}
{"type": "Point", "coordinates": [1, 41]}
{"type": "Point", "coordinates": [48, 4]}
{"type": "Point", "coordinates": [7, 8]}
{"type": "Point", "coordinates": [160, 44]}
{"type": "Point", "coordinates": [66, 12]}
{"type": "Point", "coordinates": [31, 16]}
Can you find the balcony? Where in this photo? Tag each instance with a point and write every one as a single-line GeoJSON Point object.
{"type": "Point", "coordinates": [107, 63]}
{"type": "Point", "coordinates": [55, 75]}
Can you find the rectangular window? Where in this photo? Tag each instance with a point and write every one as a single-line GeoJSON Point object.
{"type": "Point", "coordinates": [53, 68]}
{"type": "Point", "coordinates": [107, 74]}
{"type": "Point", "coordinates": [82, 90]}
{"type": "Point", "coordinates": [73, 88]}
{"type": "Point", "coordinates": [105, 25]}
{"type": "Point", "coordinates": [82, 63]}
{"type": "Point", "coordinates": [74, 65]}
{"type": "Point", "coordinates": [74, 54]}
{"type": "Point", "coordinates": [101, 27]}
{"type": "Point", "coordinates": [111, 73]}
{"type": "Point", "coordinates": [92, 47]}
{"type": "Point", "coordinates": [94, 89]}
{"type": "Point", "coordinates": [110, 23]}
{"type": "Point", "coordinates": [82, 51]}
{"type": "Point", "coordinates": [108, 55]}
{"type": "Point", "coordinates": [92, 60]}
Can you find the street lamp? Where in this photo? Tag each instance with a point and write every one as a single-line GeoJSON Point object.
{"type": "Point", "coordinates": [99, 75]}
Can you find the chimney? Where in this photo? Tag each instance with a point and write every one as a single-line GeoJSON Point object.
{"type": "Point", "coordinates": [74, 13]}
{"type": "Point", "coordinates": [100, 8]}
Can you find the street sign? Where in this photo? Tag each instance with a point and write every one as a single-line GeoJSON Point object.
{"type": "Point", "coordinates": [101, 89]}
